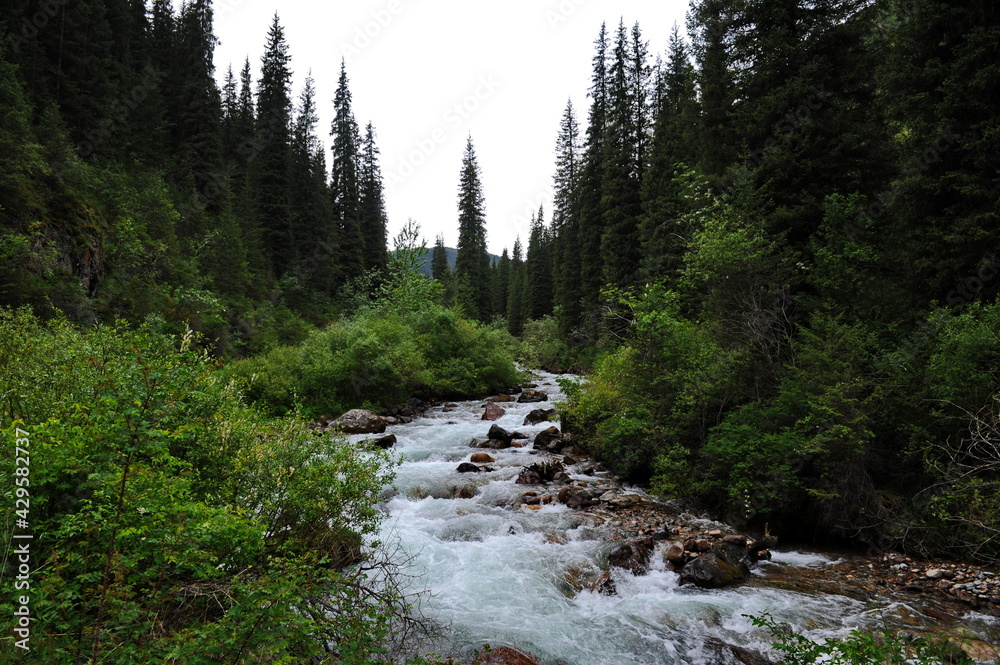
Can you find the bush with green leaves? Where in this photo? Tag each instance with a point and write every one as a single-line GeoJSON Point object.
{"type": "Point", "coordinates": [174, 523]}
{"type": "Point", "coordinates": [400, 342]}
{"type": "Point", "coordinates": [862, 647]}
{"type": "Point", "coordinates": [649, 403]}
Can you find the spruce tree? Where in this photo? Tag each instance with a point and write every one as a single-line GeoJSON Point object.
{"type": "Point", "coordinates": [472, 262]}
{"type": "Point", "coordinates": [272, 151]}
{"type": "Point", "coordinates": [440, 269]}
{"type": "Point", "coordinates": [538, 269]}
{"type": "Point", "coordinates": [515, 295]}
{"type": "Point", "coordinates": [197, 131]}
{"type": "Point", "coordinates": [621, 201]}
{"type": "Point", "coordinates": [710, 27]}
{"type": "Point", "coordinates": [566, 224]}
{"type": "Point", "coordinates": [501, 285]}
{"type": "Point", "coordinates": [344, 182]}
{"type": "Point", "coordinates": [663, 236]}
{"type": "Point", "coordinates": [592, 176]}
{"type": "Point", "coordinates": [309, 200]}
{"type": "Point", "coordinates": [372, 204]}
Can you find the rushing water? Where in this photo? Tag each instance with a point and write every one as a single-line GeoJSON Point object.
{"type": "Point", "coordinates": [502, 574]}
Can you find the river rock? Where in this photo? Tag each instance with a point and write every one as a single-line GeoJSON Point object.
{"type": "Point", "coordinates": [528, 476]}
{"type": "Point", "coordinates": [633, 556]}
{"type": "Point", "coordinates": [723, 566]}
{"type": "Point", "coordinates": [505, 656]}
{"type": "Point", "coordinates": [480, 443]}
{"type": "Point", "coordinates": [604, 585]}
{"type": "Point", "coordinates": [531, 396]}
{"type": "Point", "coordinates": [934, 574]}
{"type": "Point", "coordinates": [465, 492]}
{"type": "Point", "coordinates": [674, 553]}
{"type": "Point", "coordinates": [741, 655]}
{"type": "Point", "coordinates": [361, 421]}
{"type": "Point", "coordinates": [500, 399]}
{"type": "Point", "coordinates": [574, 497]}
{"type": "Point", "coordinates": [383, 442]}
{"type": "Point", "coordinates": [497, 444]}
{"type": "Point", "coordinates": [737, 540]}
{"type": "Point", "coordinates": [539, 416]}
{"type": "Point", "coordinates": [549, 439]}
{"type": "Point", "coordinates": [481, 458]}
{"type": "Point", "coordinates": [468, 467]}
{"type": "Point", "coordinates": [493, 412]}
{"type": "Point", "coordinates": [497, 432]}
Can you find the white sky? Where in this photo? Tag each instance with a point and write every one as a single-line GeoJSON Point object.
{"type": "Point", "coordinates": [428, 73]}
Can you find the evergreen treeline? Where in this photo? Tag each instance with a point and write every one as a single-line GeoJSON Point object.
{"type": "Point", "coordinates": [782, 239]}
{"type": "Point", "coordinates": [132, 186]}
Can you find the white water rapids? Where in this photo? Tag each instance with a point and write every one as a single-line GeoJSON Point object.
{"type": "Point", "coordinates": [501, 574]}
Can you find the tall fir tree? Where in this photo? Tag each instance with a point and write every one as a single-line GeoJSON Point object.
{"type": "Point", "coordinates": [566, 224]}
{"type": "Point", "coordinates": [710, 26]}
{"type": "Point", "coordinates": [592, 176]}
{"type": "Point", "coordinates": [621, 200]}
{"type": "Point", "coordinates": [309, 198]}
{"type": "Point", "coordinates": [197, 131]}
{"type": "Point", "coordinates": [472, 262]}
{"type": "Point", "coordinates": [538, 269]}
{"type": "Point", "coordinates": [501, 284]}
{"type": "Point", "coordinates": [372, 204]}
{"type": "Point", "coordinates": [663, 235]}
{"type": "Point", "coordinates": [344, 182]}
{"type": "Point", "coordinates": [272, 151]}
{"type": "Point", "coordinates": [516, 291]}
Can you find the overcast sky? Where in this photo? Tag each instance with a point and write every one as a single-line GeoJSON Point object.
{"type": "Point", "coordinates": [428, 73]}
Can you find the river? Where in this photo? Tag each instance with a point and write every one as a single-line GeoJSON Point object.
{"type": "Point", "coordinates": [501, 573]}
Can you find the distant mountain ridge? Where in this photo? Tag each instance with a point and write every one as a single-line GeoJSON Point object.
{"type": "Point", "coordinates": [425, 268]}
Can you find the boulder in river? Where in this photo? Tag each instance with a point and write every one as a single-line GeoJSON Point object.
{"type": "Point", "coordinates": [497, 432]}
{"type": "Point", "coordinates": [384, 442]}
{"type": "Point", "coordinates": [361, 421]}
{"type": "Point", "coordinates": [493, 412]}
{"type": "Point", "coordinates": [531, 396]}
{"type": "Point", "coordinates": [674, 553]}
{"type": "Point", "coordinates": [481, 458]}
{"type": "Point", "coordinates": [539, 416]}
{"type": "Point", "coordinates": [549, 439]}
{"type": "Point", "coordinates": [632, 556]}
{"type": "Point", "coordinates": [505, 656]}
{"type": "Point", "coordinates": [722, 566]}
{"type": "Point", "coordinates": [500, 399]}
{"type": "Point", "coordinates": [468, 467]}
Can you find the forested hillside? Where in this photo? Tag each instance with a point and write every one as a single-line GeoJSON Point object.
{"type": "Point", "coordinates": [134, 187]}
{"type": "Point", "coordinates": [779, 246]}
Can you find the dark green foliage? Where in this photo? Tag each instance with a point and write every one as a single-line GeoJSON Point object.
{"type": "Point", "coordinates": [860, 648]}
{"type": "Point", "coordinates": [538, 270]}
{"type": "Point", "coordinates": [516, 291]}
{"type": "Point", "coordinates": [472, 263]}
{"type": "Point", "coordinates": [400, 344]}
{"type": "Point", "coordinates": [167, 511]}
{"type": "Point", "coordinates": [271, 152]}
{"type": "Point", "coordinates": [345, 184]}
{"type": "Point", "coordinates": [372, 205]}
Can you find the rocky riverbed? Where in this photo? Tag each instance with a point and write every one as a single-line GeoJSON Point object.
{"type": "Point", "coordinates": [516, 461]}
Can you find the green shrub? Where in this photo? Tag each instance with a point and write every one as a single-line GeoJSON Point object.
{"type": "Point", "coordinates": [172, 522]}
{"type": "Point", "coordinates": [862, 647]}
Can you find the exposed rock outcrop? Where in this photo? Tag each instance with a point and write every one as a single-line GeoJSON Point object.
{"type": "Point", "coordinates": [361, 421]}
